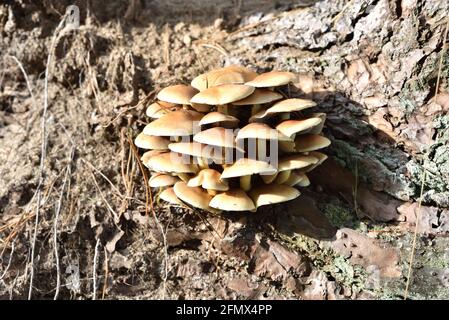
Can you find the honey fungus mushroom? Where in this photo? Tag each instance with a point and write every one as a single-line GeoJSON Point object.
{"type": "Point", "coordinates": [198, 141]}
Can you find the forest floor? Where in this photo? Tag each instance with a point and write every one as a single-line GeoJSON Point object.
{"type": "Point", "coordinates": [343, 238]}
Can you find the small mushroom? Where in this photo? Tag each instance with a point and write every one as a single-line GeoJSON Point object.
{"type": "Point", "coordinates": [284, 107]}
{"type": "Point", "coordinates": [297, 178]}
{"type": "Point", "coordinates": [269, 194]}
{"type": "Point", "coordinates": [161, 180]}
{"type": "Point", "coordinates": [292, 162]}
{"type": "Point", "coordinates": [311, 142]}
{"type": "Point", "coordinates": [226, 75]}
{"type": "Point", "coordinates": [272, 79]}
{"type": "Point", "coordinates": [178, 94]}
{"type": "Point", "coordinates": [219, 119]}
{"type": "Point", "coordinates": [222, 95]}
{"type": "Point", "coordinates": [194, 196]}
{"type": "Point", "coordinates": [169, 195]}
{"type": "Point", "coordinates": [210, 180]}
{"type": "Point", "coordinates": [177, 123]}
{"type": "Point", "coordinates": [171, 162]}
{"type": "Point", "coordinates": [258, 98]}
{"type": "Point", "coordinates": [244, 168]}
{"type": "Point", "coordinates": [144, 141]}
{"type": "Point", "coordinates": [233, 200]}
{"type": "Point", "coordinates": [160, 108]}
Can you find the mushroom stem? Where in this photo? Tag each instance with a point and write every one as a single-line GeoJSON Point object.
{"type": "Point", "coordinates": [268, 178]}
{"type": "Point", "coordinates": [184, 177]}
{"type": "Point", "coordinates": [211, 192]}
{"type": "Point", "coordinates": [202, 163]}
{"type": "Point", "coordinates": [282, 177]}
{"type": "Point", "coordinates": [245, 183]}
{"type": "Point", "coordinates": [256, 108]}
{"type": "Point", "coordinates": [223, 108]}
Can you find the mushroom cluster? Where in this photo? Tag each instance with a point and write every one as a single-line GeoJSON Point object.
{"type": "Point", "coordinates": [231, 141]}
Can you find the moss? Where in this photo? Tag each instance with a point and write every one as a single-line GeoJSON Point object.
{"type": "Point", "coordinates": [338, 215]}
{"type": "Point", "coordinates": [325, 259]}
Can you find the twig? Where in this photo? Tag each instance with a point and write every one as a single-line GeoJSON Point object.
{"type": "Point", "coordinates": [56, 36]}
{"type": "Point", "coordinates": [149, 198]}
{"type": "Point", "coordinates": [9, 261]}
{"type": "Point", "coordinates": [55, 226]}
{"type": "Point", "coordinates": [424, 176]}
{"type": "Point", "coordinates": [94, 294]}
{"type": "Point", "coordinates": [106, 273]}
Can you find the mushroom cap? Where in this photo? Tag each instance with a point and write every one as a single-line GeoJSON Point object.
{"type": "Point", "coordinates": [200, 107]}
{"type": "Point", "coordinates": [291, 127]}
{"type": "Point", "coordinates": [216, 136]}
{"type": "Point", "coordinates": [272, 79]}
{"type": "Point", "coordinates": [214, 117]}
{"type": "Point", "coordinates": [222, 94]}
{"type": "Point", "coordinates": [176, 123]}
{"type": "Point", "coordinates": [209, 179]}
{"type": "Point", "coordinates": [260, 131]}
{"type": "Point", "coordinates": [144, 141]}
{"type": "Point", "coordinates": [321, 158]}
{"type": "Point", "coordinates": [272, 193]}
{"type": "Point", "coordinates": [179, 94]}
{"type": "Point", "coordinates": [159, 108]}
{"type": "Point", "coordinates": [197, 149]}
{"type": "Point", "coordinates": [169, 195]}
{"type": "Point", "coordinates": [159, 180]}
{"type": "Point", "coordinates": [288, 105]}
{"type": "Point", "coordinates": [296, 178]}
{"type": "Point", "coordinates": [245, 167]}
{"type": "Point", "coordinates": [232, 200]}
{"type": "Point", "coordinates": [304, 182]}
{"type": "Point", "coordinates": [170, 162]}
{"type": "Point", "coordinates": [227, 75]}
{"type": "Point", "coordinates": [195, 196]}
{"type": "Point", "coordinates": [295, 161]}
{"type": "Point", "coordinates": [147, 155]}
{"type": "Point", "coordinates": [311, 142]}
{"type": "Point", "coordinates": [318, 128]}
{"type": "Point", "coordinates": [259, 96]}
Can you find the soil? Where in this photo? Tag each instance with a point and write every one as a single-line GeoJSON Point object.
{"type": "Point", "coordinates": [373, 69]}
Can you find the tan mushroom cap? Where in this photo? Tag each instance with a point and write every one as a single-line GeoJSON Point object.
{"type": "Point", "coordinates": [311, 142]}
{"type": "Point", "coordinates": [223, 94]}
{"type": "Point", "coordinates": [179, 94]}
{"type": "Point", "coordinates": [160, 180]}
{"type": "Point", "coordinates": [259, 96]}
{"type": "Point", "coordinates": [260, 131]}
{"type": "Point", "coordinates": [318, 128]}
{"type": "Point", "coordinates": [297, 178]}
{"type": "Point", "coordinates": [272, 193]}
{"type": "Point", "coordinates": [304, 182]}
{"type": "Point", "coordinates": [215, 117]}
{"type": "Point", "coordinates": [321, 158]}
{"type": "Point", "coordinates": [159, 108]}
{"type": "Point", "coordinates": [195, 196]}
{"type": "Point", "coordinates": [170, 162]}
{"type": "Point", "coordinates": [245, 167]}
{"type": "Point", "coordinates": [176, 123]}
{"type": "Point", "coordinates": [227, 75]}
{"type": "Point", "coordinates": [144, 141]}
{"type": "Point", "coordinates": [233, 200]}
{"type": "Point", "coordinates": [147, 155]}
{"type": "Point", "coordinates": [217, 136]}
{"type": "Point", "coordinates": [169, 195]}
{"type": "Point", "coordinates": [209, 179]}
{"type": "Point", "coordinates": [197, 149]}
{"type": "Point", "coordinates": [296, 161]}
{"type": "Point", "coordinates": [291, 127]}
{"type": "Point", "coordinates": [272, 79]}
{"type": "Point", "coordinates": [288, 105]}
